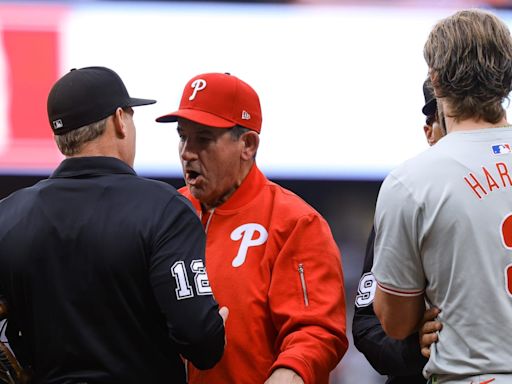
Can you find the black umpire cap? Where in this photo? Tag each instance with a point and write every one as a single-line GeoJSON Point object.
{"type": "Point", "coordinates": [86, 95]}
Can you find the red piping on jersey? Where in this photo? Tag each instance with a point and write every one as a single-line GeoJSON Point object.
{"type": "Point", "coordinates": [399, 292]}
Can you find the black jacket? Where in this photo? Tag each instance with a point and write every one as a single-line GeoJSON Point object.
{"type": "Point", "coordinates": [400, 360]}
{"type": "Point", "coordinates": [101, 269]}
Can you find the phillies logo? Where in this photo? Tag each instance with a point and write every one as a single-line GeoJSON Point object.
{"type": "Point", "coordinates": [246, 232]}
{"type": "Point", "coordinates": [198, 85]}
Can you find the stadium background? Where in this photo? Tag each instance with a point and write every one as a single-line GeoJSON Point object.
{"type": "Point", "coordinates": [331, 130]}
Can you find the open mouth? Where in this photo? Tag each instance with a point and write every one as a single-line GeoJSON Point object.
{"type": "Point", "coordinates": [192, 176]}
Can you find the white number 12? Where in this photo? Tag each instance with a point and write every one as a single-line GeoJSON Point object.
{"type": "Point", "coordinates": [184, 289]}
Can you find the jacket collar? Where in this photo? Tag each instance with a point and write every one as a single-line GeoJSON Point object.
{"type": "Point", "coordinates": [94, 165]}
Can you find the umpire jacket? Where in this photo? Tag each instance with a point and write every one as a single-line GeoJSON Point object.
{"type": "Point", "coordinates": [401, 360]}
{"type": "Point", "coordinates": [104, 275]}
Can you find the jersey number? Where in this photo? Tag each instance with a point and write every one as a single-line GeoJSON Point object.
{"type": "Point", "coordinates": [201, 282]}
{"type": "Point", "coordinates": [506, 237]}
{"type": "Point", "coordinates": [366, 290]}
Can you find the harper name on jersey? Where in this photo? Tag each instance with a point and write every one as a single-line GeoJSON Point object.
{"type": "Point", "coordinates": [489, 180]}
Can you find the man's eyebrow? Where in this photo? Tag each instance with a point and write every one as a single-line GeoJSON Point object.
{"type": "Point", "coordinates": [198, 131]}
{"type": "Point", "coordinates": [205, 131]}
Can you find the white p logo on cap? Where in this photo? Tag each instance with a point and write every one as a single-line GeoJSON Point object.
{"type": "Point", "coordinates": [198, 85]}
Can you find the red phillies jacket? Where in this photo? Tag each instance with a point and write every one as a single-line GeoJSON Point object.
{"type": "Point", "coordinates": [272, 260]}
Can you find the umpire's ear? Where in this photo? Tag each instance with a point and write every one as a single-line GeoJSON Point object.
{"type": "Point", "coordinates": [119, 123]}
{"type": "Point", "coordinates": [250, 141]}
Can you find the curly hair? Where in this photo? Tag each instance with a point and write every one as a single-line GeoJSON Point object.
{"type": "Point", "coordinates": [469, 56]}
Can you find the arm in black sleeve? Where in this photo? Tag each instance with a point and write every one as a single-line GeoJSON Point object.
{"type": "Point", "coordinates": [386, 355]}
{"type": "Point", "coordinates": [181, 286]}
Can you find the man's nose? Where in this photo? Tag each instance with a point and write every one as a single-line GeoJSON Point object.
{"type": "Point", "coordinates": [187, 152]}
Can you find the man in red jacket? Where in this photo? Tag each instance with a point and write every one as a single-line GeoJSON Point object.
{"type": "Point", "coordinates": [271, 257]}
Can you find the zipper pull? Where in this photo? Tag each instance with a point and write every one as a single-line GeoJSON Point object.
{"type": "Point", "coordinates": [303, 283]}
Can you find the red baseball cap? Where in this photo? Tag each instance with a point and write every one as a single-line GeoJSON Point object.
{"type": "Point", "coordinates": [218, 100]}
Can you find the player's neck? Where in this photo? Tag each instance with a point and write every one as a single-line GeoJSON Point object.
{"type": "Point", "coordinates": [471, 124]}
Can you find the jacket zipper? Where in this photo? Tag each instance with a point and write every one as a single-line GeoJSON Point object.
{"type": "Point", "coordinates": [210, 212]}
{"type": "Point", "coordinates": [303, 283]}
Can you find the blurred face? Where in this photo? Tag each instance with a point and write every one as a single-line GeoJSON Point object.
{"type": "Point", "coordinates": [211, 162]}
{"type": "Point", "coordinates": [437, 132]}
{"type": "Point", "coordinates": [433, 129]}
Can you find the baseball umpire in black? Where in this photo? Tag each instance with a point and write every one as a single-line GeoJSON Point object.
{"type": "Point", "coordinates": [103, 271]}
{"type": "Point", "coordinates": [400, 360]}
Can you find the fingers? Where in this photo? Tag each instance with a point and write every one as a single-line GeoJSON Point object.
{"type": "Point", "coordinates": [224, 313]}
{"type": "Point", "coordinates": [425, 352]}
{"type": "Point", "coordinates": [426, 341]}
{"type": "Point", "coordinates": [431, 314]}
{"type": "Point", "coordinates": [431, 327]}
{"type": "Point", "coordinates": [429, 330]}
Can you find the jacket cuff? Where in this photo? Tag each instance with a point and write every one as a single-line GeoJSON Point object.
{"type": "Point", "coordinates": [295, 363]}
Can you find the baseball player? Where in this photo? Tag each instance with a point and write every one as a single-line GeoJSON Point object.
{"type": "Point", "coordinates": [400, 360]}
{"type": "Point", "coordinates": [271, 258]}
{"type": "Point", "coordinates": [444, 218]}
{"type": "Point", "coordinates": [102, 270]}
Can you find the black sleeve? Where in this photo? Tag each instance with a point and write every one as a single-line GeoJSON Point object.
{"type": "Point", "coordinates": [386, 355]}
{"type": "Point", "coordinates": [182, 288]}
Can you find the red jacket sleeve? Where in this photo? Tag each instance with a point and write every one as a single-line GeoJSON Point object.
{"type": "Point", "coordinates": [307, 301]}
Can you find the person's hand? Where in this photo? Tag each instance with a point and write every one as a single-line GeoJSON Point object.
{"type": "Point", "coordinates": [284, 376]}
{"type": "Point", "coordinates": [429, 329]}
{"type": "Point", "coordinates": [224, 313]}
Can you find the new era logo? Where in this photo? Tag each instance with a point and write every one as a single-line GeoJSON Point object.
{"type": "Point", "coordinates": [246, 115]}
{"type": "Point", "coordinates": [57, 124]}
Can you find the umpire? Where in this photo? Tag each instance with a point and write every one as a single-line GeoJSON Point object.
{"type": "Point", "coordinates": [401, 360]}
{"type": "Point", "coordinates": [103, 271]}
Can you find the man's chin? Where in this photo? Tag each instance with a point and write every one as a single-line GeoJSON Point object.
{"type": "Point", "coordinates": [197, 192]}
{"type": "Point", "coordinates": [201, 195]}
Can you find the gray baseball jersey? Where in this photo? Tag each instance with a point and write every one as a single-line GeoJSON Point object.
{"type": "Point", "coordinates": [444, 228]}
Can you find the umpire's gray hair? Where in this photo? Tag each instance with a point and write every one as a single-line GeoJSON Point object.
{"type": "Point", "coordinates": [72, 142]}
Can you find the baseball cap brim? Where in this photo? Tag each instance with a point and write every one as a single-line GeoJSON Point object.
{"type": "Point", "coordinates": [134, 102]}
{"type": "Point", "coordinates": [199, 117]}
{"type": "Point", "coordinates": [430, 107]}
